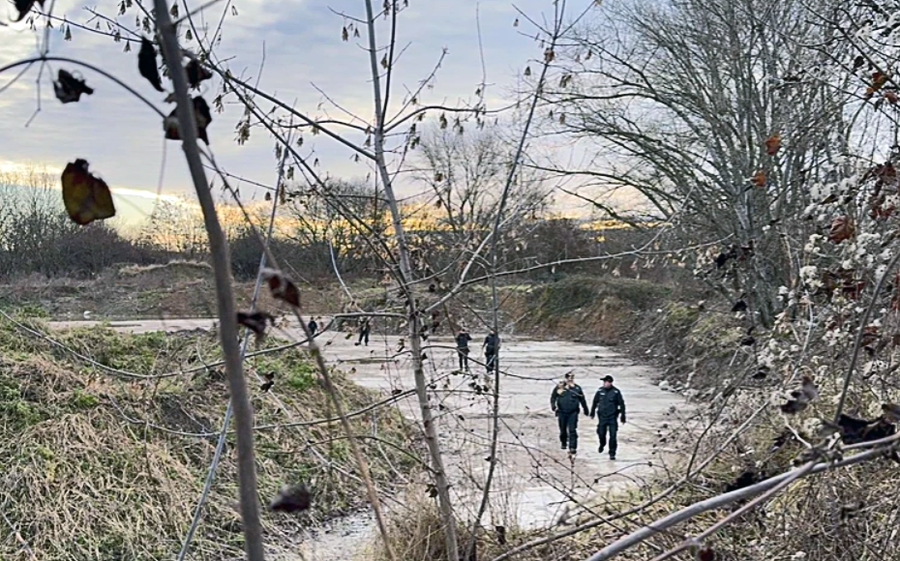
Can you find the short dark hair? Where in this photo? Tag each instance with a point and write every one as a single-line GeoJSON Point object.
{"type": "Point", "coordinates": [569, 375]}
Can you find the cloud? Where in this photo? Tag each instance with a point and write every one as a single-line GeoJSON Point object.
{"type": "Point", "coordinates": [297, 42]}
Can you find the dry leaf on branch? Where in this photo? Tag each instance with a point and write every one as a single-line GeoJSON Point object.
{"type": "Point", "coordinates": [759, 178]}
{"type": "Point", "coordinates": [841, 229]}
{"type": "Point", "coordinates": [802, 397]}
{"type": "Point", "coordinates": [281, 287]}
{"type": "Point", "coordinates": [891, 412]}
{"type": "Point", "coordinates": [855, 431]}
{"type": "Point", "coordinates": [706, 554]}
{"type": "Point", "coordinates": [68, 88]}
{"type": "Point", "coordinates": [879, 79]}
{"type": "Point", "coordinates": [196, 73]}
{"type": "Point", "coordinates": [256, 322]}
{"type": "Point", "coordinates": [86, 198]}
{"type": "Point", "coordinates": [24, 6]}
{"type": "Point", "coordinates": [201, 115]}
{"type": "Point", "coordinates": [773, 144]}
{"type": "Point", "coordinates": [147, 64]}
{"type": "Point", "coordinates": [270, 381]}
{"type": "Point", "coordinates": [296, 498]}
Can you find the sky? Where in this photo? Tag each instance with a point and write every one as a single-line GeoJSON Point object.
{"type": "Point", "coordinates": [300, 49]}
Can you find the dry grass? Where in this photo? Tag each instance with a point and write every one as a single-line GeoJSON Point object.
{"type": "Point", "coordinates": [197, 267]}
{"type": "Point", "coordinates": [81, 481]}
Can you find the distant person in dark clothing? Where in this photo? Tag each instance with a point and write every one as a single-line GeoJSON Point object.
{"type": "Point", "coordinates": [491, 348]}
{"type": "Point", "coordinates": [566, 399]}
{"type": "Point", "coordinates": [313, 326]}
{"type": "Point", "coordinates": [364, 328]}
{"type": "Point", "coordinates": [462, 348]}
{"type": "Point", "coordinates": [608, 406]}
{"type": "Point", "coordinates": [435, 320]}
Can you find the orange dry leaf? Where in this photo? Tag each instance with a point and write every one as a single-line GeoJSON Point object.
{"type": "Point", "coordinates": [878, 80]}
{"type": "Point", "coordinates": [773, 144]}
{"type": "Point", "coordinates": [759, 179]}
{"type": "Point", "coordinates": [841, 229]}
{"type": "Point", "coordinates": [86, 198]}
{"type": "Point", "coordinates": [891, 96]}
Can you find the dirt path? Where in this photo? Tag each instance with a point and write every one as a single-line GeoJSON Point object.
{"type": "Point", "coordinates": [535, 479]}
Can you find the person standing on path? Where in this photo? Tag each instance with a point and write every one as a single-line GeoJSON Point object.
{"type": "Point", "coordinates": [565, 401]}
{"type": "Point", "coordinates": [313, 326]}
{"type": "Point", "coordinates": [491, 348]}
{"type": "Point", "coordinates": [364, 328]}
{"type": "Point", "coordinates": [462, 348]}
{"type": "Point", "coordinates": [609, 406]}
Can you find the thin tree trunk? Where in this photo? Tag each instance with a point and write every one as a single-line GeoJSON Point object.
{"type": "Point", "coordinates": [495, 299]}
{"type": "Point", "coordinates": [218, 246]}
{"type": "Point", "coordinates": [448, 519]}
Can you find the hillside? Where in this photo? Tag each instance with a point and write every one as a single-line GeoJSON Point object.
{"type": "Point", "coordinates": [107, 460]}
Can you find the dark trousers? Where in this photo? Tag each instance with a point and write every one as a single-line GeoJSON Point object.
{"type": "Point", "coordinates": [363, 335]}
{"type": "Point", "coordinates": [463, 358]}
{"type": "Point", "coordinates": [568, 429]}
{"type": "Point", "coordinates": [612, 426]}
{"type": "Point", "coordinates": [489, 360]}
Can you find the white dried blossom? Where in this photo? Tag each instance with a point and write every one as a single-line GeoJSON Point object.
{"type": "Point", "coordinates": [809, 273]}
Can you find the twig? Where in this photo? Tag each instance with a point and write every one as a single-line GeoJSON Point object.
{"type": "Point", "coordinates": [722, 500]}
{"type": "Point", "coordinates": [220, 444]}
{"type": "Point", "coordinates": [560, 8]}
{"type": "Point", "coordinates": [243, 410]}
{"type": "Point", "coordinates": [445, 506]}
{"type": "Point", "coordinates": [91, 67]}
{"type": "Point", "coordinates": [857, 343]}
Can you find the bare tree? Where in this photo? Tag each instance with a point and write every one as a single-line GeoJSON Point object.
{"type": "Point", "coordinates": [688, 103]}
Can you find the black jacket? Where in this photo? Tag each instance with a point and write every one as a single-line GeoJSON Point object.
{"type": "Point", "coordinates": [491, 343]}
{"type": "Point", "coordinates": [568, 399]}
{"type": "Point", "coordinates": [608, 404]}
{"type": "Point", "coordinates": [462, 340]}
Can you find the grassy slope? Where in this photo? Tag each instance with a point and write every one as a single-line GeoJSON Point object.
{"type": "Point", "coordinates": [95, 467]}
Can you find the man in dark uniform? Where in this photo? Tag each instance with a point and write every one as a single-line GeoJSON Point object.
{"type": "Point", "coordinates": [364, 328]}
{"type": "Point", "coordinates": [491, 347]}
{"type": "Point", "coordinates": [608, 406]}
{"type": "Point", "coordinates": [462, 348]}
{"type": "Point", "coordinates": [565, 400]}
{"type": "Point", "coordinates": [312, 325]}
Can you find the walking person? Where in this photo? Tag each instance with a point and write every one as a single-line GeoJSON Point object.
{"type": "Point", "coordinates": [312, 326]}
{"type": "Point", "coordinates": [565, 401]}
{"type": "Point", "coordinates": [491, 348]}
{"type": "Point", "coordinates": [462, 348]}
{"type": "Point", "coordinates": [364, 328]}
{"type": "Point", "coordinates": [609, 406]}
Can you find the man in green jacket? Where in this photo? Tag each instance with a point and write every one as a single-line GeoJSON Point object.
{"type": "Point", "coordinates": [608, 406]}
{"type": "Point", "coordinates": [565, 400]}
